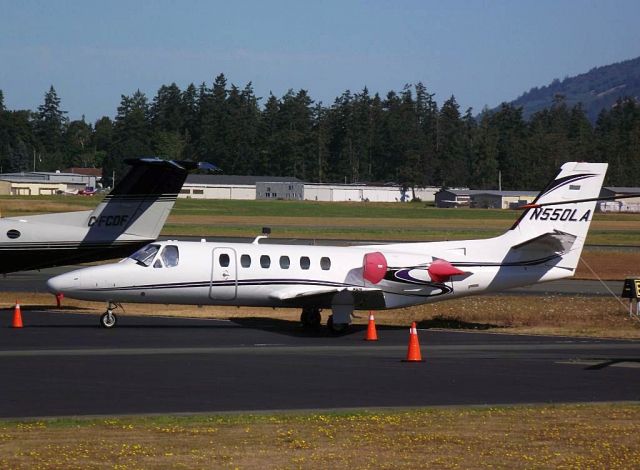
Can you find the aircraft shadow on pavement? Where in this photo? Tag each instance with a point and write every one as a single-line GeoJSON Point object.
{"type": "Point", "coordinates": [70, 317]}
{"type": "Point", "coordinates": [454, 324]}
{"type": "Point", "coordinates": [611, 362]}
{"type": "Point", "coordinates": [295, 328]}
{"type": "Point", "coordinates": [285, 327]}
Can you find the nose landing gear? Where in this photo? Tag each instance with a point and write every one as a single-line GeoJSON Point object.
{"type": "Point", "coordinates": [108, 319]}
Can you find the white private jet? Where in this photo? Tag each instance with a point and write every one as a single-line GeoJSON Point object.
{"type": "Point", "coordinates": [128, 218]}
{"type": "Point", "coordinates": [543, 245]}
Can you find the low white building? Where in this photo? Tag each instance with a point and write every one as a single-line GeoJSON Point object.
{"type": "Point", "coordinates": [41, 183]}
{"type": "Point", "coordinates": [225, 186]}
{"type": "Point", "coordinates": [290, 188]}
{"type": "Point", "coordinates": [483, 198]}
{"type": "Point", "coordinates": [630, 201]}
{"type": "Point", "coordinates": [362, 192]}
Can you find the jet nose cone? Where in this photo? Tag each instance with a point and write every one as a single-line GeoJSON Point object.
{"type": "Point", "coordinates": [63, 282]}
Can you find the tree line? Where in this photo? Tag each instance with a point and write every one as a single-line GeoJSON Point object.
{"type": "Point", "coordinates": [404, 137]}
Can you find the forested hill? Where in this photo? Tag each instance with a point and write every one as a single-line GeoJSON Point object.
{"type": "Point", "coordinates": [597, 89]}
{"type": "Point", "coordinates": [402, 136]}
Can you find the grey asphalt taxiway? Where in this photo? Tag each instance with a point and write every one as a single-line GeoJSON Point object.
{"type": "Point", "coordinates": [65, 364]}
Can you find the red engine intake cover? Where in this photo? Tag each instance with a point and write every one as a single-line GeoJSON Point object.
{"type": "Point", "coordinates": [441, 270]}
{"type": "Point", "coordinates": [374, 267]}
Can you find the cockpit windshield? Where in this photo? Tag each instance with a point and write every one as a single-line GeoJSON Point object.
{"type": "Point", "coordinates": [144, 256]}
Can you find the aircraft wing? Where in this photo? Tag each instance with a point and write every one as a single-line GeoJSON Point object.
{"type": "Point", "coordinates": [364, 297]}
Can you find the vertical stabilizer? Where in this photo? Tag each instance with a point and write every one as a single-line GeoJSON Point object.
{"type": "Point", "coordinates": [139, 204]}
{"type": "Point", "coordinates": [564, 210]}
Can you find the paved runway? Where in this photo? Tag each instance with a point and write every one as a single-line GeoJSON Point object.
{"type": "Point", "coordinates": [64, 364]}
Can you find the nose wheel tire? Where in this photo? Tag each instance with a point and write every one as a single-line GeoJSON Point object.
{"type": "Point", "coordinates": [108, 319]}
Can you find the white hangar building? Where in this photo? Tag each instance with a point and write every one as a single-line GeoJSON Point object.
{"type": "Point", "coordinates": [290, 188]}
{"type": "Point", "coordinates": [341, 192]}
{"type": "Point", "coordinates": [483, 198]}
{"type": "Point", "coordinates": [226, 186]}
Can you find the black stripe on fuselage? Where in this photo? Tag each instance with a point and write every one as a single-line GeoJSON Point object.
{"type": "Point", "coordinates": [247, 282]}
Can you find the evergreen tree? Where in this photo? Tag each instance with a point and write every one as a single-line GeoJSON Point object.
{"type": "Point", "coordinates": [190, 107]}
{"type": "Point", "coordinates": [19, 156]}
{"type": "Point", "coordinates": [77, 145]}
{"type": "Point", "coordinates": [484, 159]}
{"type": "Point", "coordinates": [427, 113]}
{"type": "Point", "coordinates": [511, 130]}
{"type": "Point", "coordinates": [269, 138]}
{"type": "Point", "coordinates": [452, 166]}
{"type": "Point", "coordinates": [167, 119]}
{"type": "Point", "coordinates": [294, 122]}
{"type": "Point", "coordinates": [320, 133]}
{"type": "Point", "coordinates": [213, 113]}
{"type": "Point", "coordinates": [50, 123]}
{"type": "Point", "coordinates": [102, 137]}
{"type": "Point", "coordinates": [131, 135]}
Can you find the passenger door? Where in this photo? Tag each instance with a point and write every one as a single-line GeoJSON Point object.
{"type": "Point", "coordinates": [224, 278]}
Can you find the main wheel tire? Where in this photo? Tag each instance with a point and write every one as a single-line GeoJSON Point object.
{"type": "Point", "coordinates": [108, 320]}
{"type": "Point", "coordinates": [310, 318]}
{"type": "Point", "coordinates": [336, 328]}
{"type": "Point", "coordinates": [315, 318]}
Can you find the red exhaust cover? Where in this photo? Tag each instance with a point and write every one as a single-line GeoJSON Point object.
{"type": "Point", "coordinates": [441, 270]}
{"type": "Point", "coordinates": [374, 267]}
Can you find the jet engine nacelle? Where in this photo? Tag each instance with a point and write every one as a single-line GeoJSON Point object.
{"type": "Point", "coordinates": [374, 267]}
{"type": "Point", "coordinates": [441, 270]}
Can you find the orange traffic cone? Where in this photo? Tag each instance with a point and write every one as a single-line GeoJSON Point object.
{"type": "Point", "coordinates": [413, 353]}
{"type": "Point", "coordinates": [17, 317]}
{"type": "Point", "coordinates": [372, 334]}
{"type": "Point", "coordinates": [59, 298]}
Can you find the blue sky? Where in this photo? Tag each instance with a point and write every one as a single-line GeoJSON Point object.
{"type": "Point", "coordinates": [483, 52]}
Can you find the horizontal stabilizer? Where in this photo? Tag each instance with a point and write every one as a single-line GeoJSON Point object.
{"type": "Point", "coordinates": [557, 242]}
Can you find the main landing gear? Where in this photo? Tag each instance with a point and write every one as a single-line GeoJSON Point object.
{"type": "Point", "coordinates": [311, 318]}
{"type": "Point", "coordinates": [108, 319]}
{"type": "Point", "coordinates": [336, 328]}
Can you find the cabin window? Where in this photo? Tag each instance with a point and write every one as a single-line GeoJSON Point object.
{"type": "Point", "coordinates": [224, 260]}
{"type": "Point", "coordinates": [305, 262]}
{"type": "Point", "coordinates": [245, 261]}
{"type": "Point", "coordinates": [325, 263]}
{"type": "Point", "coordinates": [265, 261]}
{"type": "Point", "coordinates": [170, 256]}
{"type": "Point", "coordinates": [285, 262]}
{"type": "Point", "coordinates": [144, 256]}
{"type": "Point", "coordinates": [13, 234]}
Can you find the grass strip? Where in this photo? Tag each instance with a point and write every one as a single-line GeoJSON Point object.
{"type": "Point", "coordinates": [549, 436]}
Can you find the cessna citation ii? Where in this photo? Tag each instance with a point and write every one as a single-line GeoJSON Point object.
{"type": "Point", "coordinates": [543, 245]}
{"type": "Point", "coordinates": [128, 218]}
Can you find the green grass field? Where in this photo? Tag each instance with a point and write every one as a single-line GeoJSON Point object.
{"type": "Point", "coordinates": [350, 220]}
{"type": "Point", "coordinates": [223, 207]}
